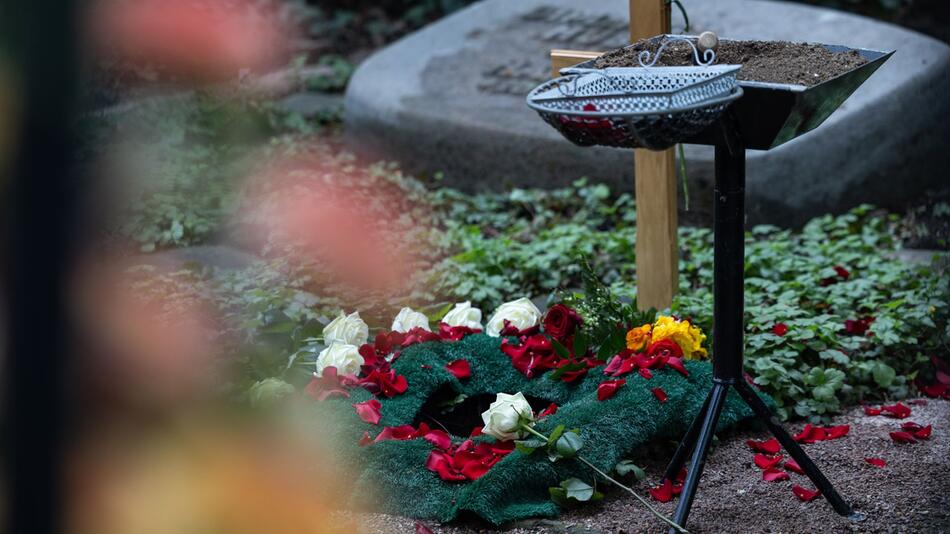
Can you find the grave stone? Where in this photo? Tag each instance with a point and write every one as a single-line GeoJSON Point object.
{"type": "Point", "coordinates": [450, 98]}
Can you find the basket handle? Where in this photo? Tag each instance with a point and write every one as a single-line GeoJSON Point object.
{"type": "Point", "coordinates": [709, 55]}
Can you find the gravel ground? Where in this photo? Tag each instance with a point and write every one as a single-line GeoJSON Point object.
{"type": "Point", "coordinates": [911, 494]}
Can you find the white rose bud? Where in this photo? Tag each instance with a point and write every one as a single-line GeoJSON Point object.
{"type": "Point", "coordinates": [269, 391]}
{"type": "Point", "coordinates": [407, 319]}
{"type": "Point", "coordinates": [346, 359]}
{"type": "Point", "coordinates": [504, 417]}
{"type": "Point", "coordinates": [346, 329]}
{"type": "Point", "coordinates": [463, 314]}
{"type": "Point", "coordinates": [521, 313]}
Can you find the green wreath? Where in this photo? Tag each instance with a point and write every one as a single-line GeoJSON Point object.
{"type": "Point", "coordinates": [394, 472]}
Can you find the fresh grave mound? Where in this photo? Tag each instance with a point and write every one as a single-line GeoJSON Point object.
{"type": "Point", "coordinates": [762, 61]}
{"type": "Point", "coordinates": [393, 475]}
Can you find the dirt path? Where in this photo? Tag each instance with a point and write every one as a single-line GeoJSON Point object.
{"type": "Point", "coordinates": [911, 494]}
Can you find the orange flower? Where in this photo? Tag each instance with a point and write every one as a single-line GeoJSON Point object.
{"type": "Point", "coordinates": [637, 338]}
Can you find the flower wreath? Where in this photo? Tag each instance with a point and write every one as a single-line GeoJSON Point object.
{"type": "Point", "coordinates": [606, 398]}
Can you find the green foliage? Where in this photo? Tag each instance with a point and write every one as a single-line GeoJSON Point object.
{"type": "Point", "coordinates": [810, 371]}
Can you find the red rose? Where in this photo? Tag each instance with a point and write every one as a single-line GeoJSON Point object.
{"type": "Point", "coordinates": [665, 348]}
{"type": "Point", "coordinates": [561, 322]}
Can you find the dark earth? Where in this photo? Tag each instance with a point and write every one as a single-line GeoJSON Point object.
{"type": "Point", "coordinates": [910, 494]}
{"type": "Point", "coordinates": [762, 61]}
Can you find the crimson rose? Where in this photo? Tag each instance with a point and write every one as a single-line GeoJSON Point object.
{"type": "Point", "coordinates": [561, 322]}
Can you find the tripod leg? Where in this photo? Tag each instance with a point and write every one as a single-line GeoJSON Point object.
{"type": "Point", "coordinates": [794, 449]}
{"type": "Point", "coordinates": [706, 432]}
{"type": "Point", "coordinates": [686, 444]}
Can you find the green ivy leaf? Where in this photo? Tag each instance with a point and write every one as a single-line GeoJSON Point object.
{"type": "Point", "coordinates": [625, 467]}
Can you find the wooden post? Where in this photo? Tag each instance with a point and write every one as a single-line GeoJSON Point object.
{"type": "Point", "coordinates": [655, 176]}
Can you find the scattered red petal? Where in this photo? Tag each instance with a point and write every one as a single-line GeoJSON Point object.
{"type": "Point", "coordinates": [838, 431]}
{"type": "Point", "coordinates": [677, 364]}
{"type": "Point", "coordinates": [441, 463]}
{"type": "Point", "coordinates": [774, 475]}
{"type": "Point", "coordinates": [805, 494]}
{"type": "Point", "coordinates": [811, 434]}
{"type": "Point", "coordinates": [369, 411]}
{"type": "Point", "coordinates": [770, 446]}
{"type": "Point", "coordinates": [924, 433]}
{"type": "Point", "coordinates": [911, 426]}
{"type": "Point", "coordinates": [608, 388]}
{"type": "Point", "coordinates": [780, 329]}
{"type": "Point", "coordinates": [663, 492]}
{"type": "Point", "coordinates": [872, 411]}
{"type": "Point", "coordinates": [645, 373]}
{"type": "Point", "coordinates": [387, 383]}
{"type": "Point", "coordinates": [422, 528]}
{"type": "Point", "coordinates": [455, 333]}
{"type": "Point", "coordinates": [468, 461]}
{"type": "Point", "coordinates": [659, 394]}
{"type": "Point", "coordinates": [550, 410]}
{"type": "Point", "coordinates": [766, 462]}
{"type": "Point", "coordinates": [477, 431]}
{"type": "Point", "coordinates": [903, 437]}
{"type": "Point", "coordinates": [326, 386]}
{"type": "Point", "coordinates": [365, 439]}
{"type": "Point", "coordinates": [439, 438]}
{"type": "Point", "coordinates": [459, 368]}
{"type": "Point", "coordinates": [876, 462]}
{"type": "Point", "coordinates": [897, 411]}
{"type": "Point", "coordinates": [792, 465]}
{"type": "Point", "coordinates": [935, 390]}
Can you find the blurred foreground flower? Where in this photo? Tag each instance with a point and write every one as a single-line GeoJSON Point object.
{"type": "Point", "coordinates": [206, 41]}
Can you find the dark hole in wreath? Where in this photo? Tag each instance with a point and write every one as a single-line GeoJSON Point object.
{"type": "Point", "coordinates": [459, 414]}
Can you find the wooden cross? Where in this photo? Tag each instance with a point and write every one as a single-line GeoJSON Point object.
{"type": "Point", "coordinates": [655, 176]}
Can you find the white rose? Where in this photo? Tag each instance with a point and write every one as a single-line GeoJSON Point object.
{"type": "Point", "coordinates": [346, 329]}
{"type": "Point", "coordinates": [407, 319]}
{"type": "Point", "coordinates": [463, 314]}
{"type": "Point", "coordinates": [521, 313]}
{"type": "Point", "coordinates": [504, 417]}
{"type": "Point", "coordinates": [346, 359]}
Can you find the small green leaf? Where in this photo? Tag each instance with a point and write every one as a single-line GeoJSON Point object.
{"type": "Point", "coordinates": [625, 467]}
{"type": "Point", "coordinates": [580, 344]}
{"type": "Point", "coordinates": [555, 434]}
{"type": "Point", "coordinates": [576, 488]}
{"type": "Point", "coordinates": [568, 445]}
{"type": "Point", "coordinates": [559, 349]}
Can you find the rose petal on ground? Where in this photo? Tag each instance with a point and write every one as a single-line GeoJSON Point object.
{"type": "Point", "coordinates": [774, 475]}
{"type": "Point", "coordinates": [792, 465]}
{"type": "Point", "coordinates": [659, 394]}
{"type": "Point", "coordinates": [550, 410]}
{"type": "Point", "coordinates": [766, 462]}
{"type": "Point", "coordinates": [839, 431]}
{"type": "Point", "coordinates": [422, 528]}
{"type": "Point", "coordinates": [369, 411]}
{"type": "Point", "coordinates": [805, 494]}
{"type": "Point", "coordinates": [871, 411]}
{"type": "Point", "coordinates": [876, 462]}
{"type": "Point", "coordinates": [811, 434]}
{"type": "Point", "coordinates": [911, 426]}
{"type": "Point", "coordinates": [645, 373]}
{"type": "Point", "coordinates": [897, 411]}
{"type": "Point", "coordinates": [663, 492]}
{"type": "Point", "coordinates": [769, 446]}
{"type": "Point", "coordinates": [924, 433]}
{"type": "Point", "coordinates": [903, 437]}
{"type": "Point", "coordinates": [608, 388]}
{"type": "Point", "coordinates": [459, 368]}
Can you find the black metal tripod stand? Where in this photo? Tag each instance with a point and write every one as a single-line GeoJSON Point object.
{"type": "Point", "coordinates": [729, 217]}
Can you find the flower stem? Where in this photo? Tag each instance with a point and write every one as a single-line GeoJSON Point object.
{"type": "Point", "coordinates": [612, 480]}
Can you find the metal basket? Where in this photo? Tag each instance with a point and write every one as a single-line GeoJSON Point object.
{"type": "Point", "coordinates": [637, 107]}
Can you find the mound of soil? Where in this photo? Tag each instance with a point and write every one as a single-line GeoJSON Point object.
{"type": "Point", "coordinates": [762, 61]}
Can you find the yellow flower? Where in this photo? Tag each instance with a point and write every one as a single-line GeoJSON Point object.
{"type": "Point", "coordinates": [637, 338]}
{"type": "Point", "coordinates": [690, 338]}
